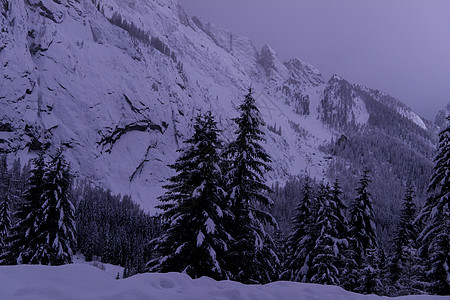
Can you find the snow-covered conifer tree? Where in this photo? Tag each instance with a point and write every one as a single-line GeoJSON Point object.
{"type": "Point", "coordinates": [341, 224]}
{"type": "Point", "coordinates": [301, 239]}
{"type": "Point", "coordinates": [435, 237]}
{"type": "Point", "coordinates": [363, 240]}
{"type": "Point", "coordinates": [404, 268]}
{"type": "Point", "coordinates": [22, 242]}
{"type": "Point", "coordinates": [339, 218]}
{"type": "Point", "coordinates": [325, 255]}
{"type": "Point", "coordinates": [55, 233]}
{"type": "Point", "coordinates": [195, 238]}
{"type": "Point", "coordinates": [5, 218]}
{"type": "Point", "coordinates": [5, 221]}
{"type": "Point", "coordinates": [328, 255]}
{"type": "Point", "coordinates": [252, 257]}
{"type": "Point", "coordinates": [362, 231]}
{"type": "Point", "coordinates": [406, 232]}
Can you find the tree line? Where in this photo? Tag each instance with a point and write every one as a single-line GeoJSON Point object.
{"type": "Point", "coordinates": [45, 218]}
{"type": "Point", "coordinates": [329, 243]}
{"type": "Point", "coordinates": [333, 245]}
{"type": "Point", "coordinates": [216, 221]}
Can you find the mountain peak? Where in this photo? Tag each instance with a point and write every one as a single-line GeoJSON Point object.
{"type": "Point", "coordinates": [304, 72]}
{"type": "Point", "coordinates": [442, 115]}
{"type": "Point", "coordinates": [268, 59]}
{"type": "Point", "coordinates": [266, 50]}
{"type": "Point", "coordinates": [336, 77]}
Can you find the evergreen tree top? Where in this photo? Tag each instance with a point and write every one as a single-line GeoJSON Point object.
{"type": "Point", "coordinates": [305, 205]}
{"type": "Point", "coordinates": [409, 208]}
{"type": "Point", "coordinates": [305, 211]}
{"type": "Point", "coordinates": [250, 121]}
{"type": "Point", "coordinates": [247, 159]}
{"type": "Point", "coordinates": [201, 151]}
{"type": "Point", "coordinates": [336, 193]}
{"type": "Point", "coordinates": [58, 172]}
{"type": "Point", "coordinates": [205, 129]}
{"type": "Point", "coordinates": [59, 159]}
{"type": "Point", "coordinates": [339, 209]}
{"type": "Point", "coordinates": [364, 181]}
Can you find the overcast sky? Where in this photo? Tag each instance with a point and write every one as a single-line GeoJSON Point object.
{"type": "Point", "coordinates": [399, 46]}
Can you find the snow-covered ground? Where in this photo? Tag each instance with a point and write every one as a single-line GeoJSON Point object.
{"type": "Point", "coordinates": [82, 281]}
{"type": "Point", "coordinates": [112, 270]}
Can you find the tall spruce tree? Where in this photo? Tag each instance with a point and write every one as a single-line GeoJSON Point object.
{"type": "Point", "coordinates": [252, 256]}
{"type": "Point", "coordinates": [55, 234]}
{"type": "Point", "coordinates": [329, 251]}
{"type": "Point", "coordinates": [302, 238]}
{"type": "Point", "coordinates": [340, 223]}
{"type": "Point", "coordinates": [435, 237]}
{"type": "Point", "coordinates": [5, 222]}
{"type": "Point", "coordinates": [22, 242]}
{"type": "Point", "coordinates": [325, 255]}
{"type": "Point", "coordinates": [407, 234]}
{"type": "Point", "coordinates": [363, 240]}
{"type": "Point", "coordinates": [17, 184]}
{"type": "Point", "coordinates": [5, 218]}
{"type": "Point", "coordinates": [404, 268]}
{"type": "Point", "coordinates": [362, 231]}
{"type": "Point", "coordinates": [195, 238]}
{"type": "Point", "coordinates": [339, 209]}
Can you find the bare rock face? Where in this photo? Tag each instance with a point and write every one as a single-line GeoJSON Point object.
{"type": "Point", "coordinates": [117, 83]}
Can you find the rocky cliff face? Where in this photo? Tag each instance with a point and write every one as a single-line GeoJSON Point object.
{"type": "Point", "coordinates": [117, 83]}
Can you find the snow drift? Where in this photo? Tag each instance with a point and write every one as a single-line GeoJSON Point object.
{"type": "Point", "coordinates": [81, 281]}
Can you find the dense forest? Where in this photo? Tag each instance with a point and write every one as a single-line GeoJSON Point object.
{"type": "Point", "coordinates": [109, 228]}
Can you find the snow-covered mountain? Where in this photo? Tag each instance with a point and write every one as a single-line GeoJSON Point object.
{"type": "Point", "coordinates": [117, 83]}
{"type": "Point", "coordinates": [441, 115]}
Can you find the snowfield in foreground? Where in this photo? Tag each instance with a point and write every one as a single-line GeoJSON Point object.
{"type": "Point", "coordinates": [80, 282]}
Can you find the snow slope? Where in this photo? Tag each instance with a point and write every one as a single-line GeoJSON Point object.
{"type": "Point", "coordinates": [121, 105]}
{"type": "Point", "coordinates": [83, 282]}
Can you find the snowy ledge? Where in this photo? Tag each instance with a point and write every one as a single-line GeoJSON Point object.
{"type": "Point", "coordinates": [81, 282]}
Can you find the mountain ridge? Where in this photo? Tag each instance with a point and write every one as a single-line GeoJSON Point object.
{"type": "Point", "coordinates": [118, 83]}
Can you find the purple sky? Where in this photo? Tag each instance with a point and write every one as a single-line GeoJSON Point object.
{"type": "Point", "coordinates": [399, 46]}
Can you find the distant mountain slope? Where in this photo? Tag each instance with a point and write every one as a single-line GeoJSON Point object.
{"type": "Point", "coordinates": [441, 115]}
{"type": "Point", "coordinates": [117, 82]}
